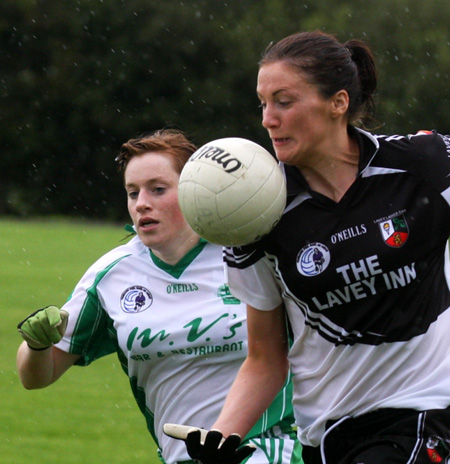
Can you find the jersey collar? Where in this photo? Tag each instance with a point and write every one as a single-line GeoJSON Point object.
{"type": "Point", "coordinates": [368, 147]}
{"type": "Point", "coordinates": [177, 269]}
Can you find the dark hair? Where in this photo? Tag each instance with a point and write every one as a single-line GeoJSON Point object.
{"type": "Point", "coordinates": [171, 141]}
{"type": "Point", "coordinates": [331, 66]}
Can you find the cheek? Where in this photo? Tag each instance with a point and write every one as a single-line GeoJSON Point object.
{"type": "Point", "coordinates": [172, 207]}
{"type": "Point", "coordinates": [131, 210]}
{"type": "Point", "coordinates": [176, 215]}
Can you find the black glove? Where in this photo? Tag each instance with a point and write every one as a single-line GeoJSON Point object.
{"type": "Point", "coordinates": [210, 447]}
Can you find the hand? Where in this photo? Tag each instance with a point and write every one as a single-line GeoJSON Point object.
{"type": "Point", "coordinates": [210, 447]}
{"type": "Point", "coordinates": [44, 327]}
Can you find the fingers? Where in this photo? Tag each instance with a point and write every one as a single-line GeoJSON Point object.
{"type": "Point", "coordinates": [44, 327]}
{"type": "Point", "coordinates": [53, 315]}
{"type": "Point", "coordinates": [210, 447]}
{"type": "Point", "coordinates": [34, 329]}
{"type": "Point", "coordinates": [216, 449]}
{"type": "Point", "coordinates": [231, 443]}
{"type": "Point", "coordinates": [243, 452]}
{"type": "Point", "coordinates": [180, 432]}
{"type": "Point", "coordinates": [229, 446]}
{"type": "Point", "coordinates": [194, 445]}
{"type": "Point", "coordinates": [64, 320]}
{"type": "Point", "coordinates": [208, 452]}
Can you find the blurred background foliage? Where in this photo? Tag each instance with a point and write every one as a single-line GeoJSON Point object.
{"type": "Point", "coordinates": [78, 78]}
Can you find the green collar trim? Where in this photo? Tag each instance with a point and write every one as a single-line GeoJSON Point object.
{"type": "Point", "coordinates": [130, 229]}
{"type": "Point", "coordinates": [177, 269]}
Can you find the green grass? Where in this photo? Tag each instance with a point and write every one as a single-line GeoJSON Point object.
{"type": "Point", "coordinates": [89, 415]}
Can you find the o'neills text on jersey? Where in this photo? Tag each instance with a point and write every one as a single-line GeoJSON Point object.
{"type": "Point", "coordinates": [182, 288]}
{"type": "Point", "coordinates": [346, 234]}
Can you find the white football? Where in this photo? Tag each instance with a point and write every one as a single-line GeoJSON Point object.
{"type": "Point", "coordinates": [232, 191]}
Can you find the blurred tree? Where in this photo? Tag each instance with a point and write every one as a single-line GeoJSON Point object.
{"type": "Point", "coordinates": [79, 78]}
{"type": "Point", "coordinates": [411, 42]}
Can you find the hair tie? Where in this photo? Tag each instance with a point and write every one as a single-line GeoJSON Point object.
{"type": "Point", "coordinates": [350, 54]}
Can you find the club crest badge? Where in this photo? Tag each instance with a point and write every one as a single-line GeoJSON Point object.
{"type": "Point", "coordinates": [135, 299]}
{"type": "Point", "coordinates": [313, 259]}
{"type": "Point", "coordinates": [227, 297]}
{"type": "Point", "coordinates": [394, 231]}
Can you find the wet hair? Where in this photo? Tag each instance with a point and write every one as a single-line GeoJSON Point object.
{"type": "Point", "coordinates": [173, 142]}
{"type": "Point", "coordinates": [331, 66]}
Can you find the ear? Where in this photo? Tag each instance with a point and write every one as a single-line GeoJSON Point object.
{"type": "Point", "coordinates": [339, 103]}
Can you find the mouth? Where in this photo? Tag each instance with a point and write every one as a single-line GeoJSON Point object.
{"type": "Point", "coordinates": [147, 222]}
{"type": "Point", "coordinates": [279, 140]}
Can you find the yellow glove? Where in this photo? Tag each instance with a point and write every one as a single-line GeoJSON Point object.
{"type": "Point", "coordinates": [44, 327]}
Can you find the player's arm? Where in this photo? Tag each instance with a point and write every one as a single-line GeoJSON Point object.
{"type": "Point", "coordinates": [262, 374]}
{"type": "Point", "coordinates": [38, 369]}
{"type": "Point", "coordinates": [39, 363]}
{"type": "Point", "coordinates": [260, 378]}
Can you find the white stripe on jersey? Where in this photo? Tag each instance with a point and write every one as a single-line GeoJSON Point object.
{"type": "Point", "coordinates": [375, 171]}
{"type": "Point", "coordinates": [446, 195]}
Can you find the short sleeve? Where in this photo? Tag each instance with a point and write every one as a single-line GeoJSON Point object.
{"type": "Point", "coordinates": [251, 278]}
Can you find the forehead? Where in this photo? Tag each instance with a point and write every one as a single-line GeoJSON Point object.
{"type": "Point", "coordinates": [150, 165]}
{"type": "Point", "coordinates": [280, 76]}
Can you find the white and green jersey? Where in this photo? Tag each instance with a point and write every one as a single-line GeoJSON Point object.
{"type": "Point", "coordinates": [179, 334]}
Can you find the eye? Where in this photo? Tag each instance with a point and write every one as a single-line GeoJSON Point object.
{"type": "Point", "coordinates": [133, 194]}
{"type": "Point", "coordinates": [159, 190]}
{"type": "Point", "coordinates": [262, 105]}
{"type": "Point", "coordinates": [284, 103]}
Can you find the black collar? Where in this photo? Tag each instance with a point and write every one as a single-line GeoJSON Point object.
{"type": "Point", "coordinates": [368, 147]}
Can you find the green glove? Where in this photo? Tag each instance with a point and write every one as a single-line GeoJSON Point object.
{"type": "Point", "coordinates": [44, 327]}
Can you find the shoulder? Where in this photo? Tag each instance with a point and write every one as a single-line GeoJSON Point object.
{"type": "Point", "coordinates": [422, 145]}
{"type": "Point", "coordinates": [132, 250]}
{"type": "Point", "coordinates": [425, 154]}
{"type": "Point", "coordinates": [244, 256]}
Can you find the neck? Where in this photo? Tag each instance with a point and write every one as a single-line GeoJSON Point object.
{"type": "Point", "coordinates": [334, 172]}
{"type": "Point", "coordinates": [178, 248]}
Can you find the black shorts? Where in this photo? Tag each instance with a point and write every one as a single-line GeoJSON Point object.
{"type": "Point", "coordinates": [386, 436]}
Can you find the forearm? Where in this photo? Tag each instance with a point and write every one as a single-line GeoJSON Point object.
{"type": "Point", "coordinates": [258, 381]}
{"type": "Point", "coordinates": [252, 392]}
{"type": "Point", "coordinates": [39, 369]}
{"type": "Point", "coordinates": [35, 368]}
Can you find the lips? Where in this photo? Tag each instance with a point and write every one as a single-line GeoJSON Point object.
{"type": "Point", "coordinates": [147, 222]}
{"type": "Point", "coordinates": [279, 140]}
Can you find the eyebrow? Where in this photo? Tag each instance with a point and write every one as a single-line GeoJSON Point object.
{"type": "Point", "coordinates": [129, 185]}
{"type": "Point", "coordinates": [153, 180]}
{"type": "Point", "coordinates": [274, 93]}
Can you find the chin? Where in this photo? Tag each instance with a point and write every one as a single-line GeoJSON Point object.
{"type": "Point", "coordinates": [282, 158]}
{"type": "Point", "coordinates": [281, 153]}
{"type": "Point", "coordinates": [147, 241]}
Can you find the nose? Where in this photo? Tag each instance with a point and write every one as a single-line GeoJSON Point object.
{"type": "Point", "coordinates": [269, 117]}
{"type": "Point", "coordinates": [143, 201]}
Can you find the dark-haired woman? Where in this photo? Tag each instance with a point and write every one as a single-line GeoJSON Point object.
{"type": "Point", "coordinates": [370, 326]}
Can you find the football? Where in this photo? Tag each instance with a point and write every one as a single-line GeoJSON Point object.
{"type": "Point", "coordinates": [232, 191]}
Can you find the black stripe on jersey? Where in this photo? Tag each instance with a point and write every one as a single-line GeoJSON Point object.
{"type": "Point", "coordinates": [241, 257]}
{"type": "Point", "coordinates": [317, 321]}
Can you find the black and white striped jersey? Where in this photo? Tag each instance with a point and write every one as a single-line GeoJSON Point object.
{"type": "Point", "coordinates": [369, 274]}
